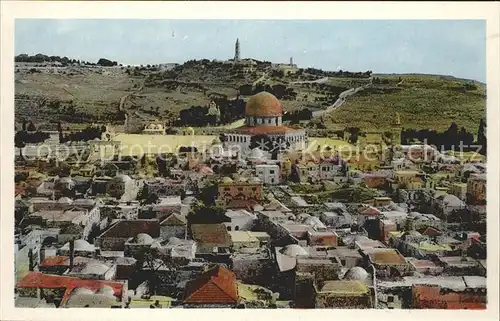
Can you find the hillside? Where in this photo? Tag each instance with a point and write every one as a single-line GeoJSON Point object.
{"type": "Point", "coordinates": [423, 101]}
{"type": "Point", "coordinates": [79, 93]}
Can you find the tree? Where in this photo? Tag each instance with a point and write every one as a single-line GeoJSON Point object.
{"type": "Point", "coordinates": [106, 62]}
{"type": "Point", "coordinates": [60, 132]}
{"type": "Point", "coordinates": [31, 127]}
{"type": "Point", "coordinates": [152, 260]}
{"type": "Point", "coordinates": [354, 134]}
{"type": "Point", "coordinates": [19, 141]}
{"type": "Point", "coordinates": [145, 197]}
{"type": "Point", "coordinates": [481, 136]}
{"type": "Point", "coordinates": [202, 214]}
{"type": "Point", "coordinates": [208, 193]}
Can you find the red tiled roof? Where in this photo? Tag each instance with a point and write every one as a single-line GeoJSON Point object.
{"type": "Point", "coordinates": [61, 261]}
{"type": "Point", "coordinates": [205, 169]}
{"type": "Point", "coordinates": [430, 297]}
{"type": "Point", "coordinates": [371, 211]}
{"type": "Point", "coordinates": [19, 190]}
{"type": "Point", "coordinates": [47, 281]}
{"type": "Point", "coordinates": [431, 231]}
{"type": "Point", "coordinates": [264, 129]}
{"type": "Point", "coordinates": [215, 286]}
{"type": "Point", "coordinates": [130, 228]}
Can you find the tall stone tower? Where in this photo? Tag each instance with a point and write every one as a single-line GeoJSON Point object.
{"type": "Point", "coordinates": [291, 61]}
{"type": "Point", "coordinates": [237, 50]}
{"type": "Point", "coordinates": [396, 130]}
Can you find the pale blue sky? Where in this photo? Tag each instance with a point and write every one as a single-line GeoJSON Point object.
{"type": "Point", "coordinates": [449, 47]}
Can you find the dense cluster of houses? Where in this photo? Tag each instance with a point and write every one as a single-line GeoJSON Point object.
{"type": "Point", "coordinates": [236, 233]}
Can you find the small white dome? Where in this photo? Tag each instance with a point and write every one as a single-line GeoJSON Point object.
{"type": "Point", "coordinates": [95, 268]}
{"type": "Point", "coordinates": [313, 221]}
{"type": "Point", "coordinates": [65, 200]}
{"type": "Point", "coordinates": [80, 245]}
{"type": "Point", "coordinates": [227, 180]}
{"type": "Point", "coordinates": [294, 250]}
{"type": "Point", "coordinates": [356, 273]}
{"type": "Point", "coordinates": [65, 180]}
{"type": "Point", "coordinates": [106, 290]}
{"type": "Point", "coordinates": [123, 178]}
{"type": "Point", "coordinates": [257, 153]}
{"type": "Point", "coordinates": [143, 238]}
{"type": "Point", "coordinates": [254, 180]}
{"type": "Point", "coordinates": [81, 291]}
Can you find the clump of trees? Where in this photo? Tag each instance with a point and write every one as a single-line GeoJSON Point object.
{"type": "Point", "coordinates": [339, 73]}
{"type": "Point", "coordinates": [298, 115]}
{"type": "Point", "coordinates": [451, 139]}
{"type": "Point", "coordinates": [41, 58]}
{"type": "Point", "coordinates": [64, 61]}
{"type": "Point", "coordinates": [202, 214]}
{"type": "Point", "coordinates": [198, 116]}
{"type": "Point", "coordinates": [28, 135]}
{"type": "Point", "coordinates": [88, 133]}
{"type": "Point", "coordinates": [106, 62]}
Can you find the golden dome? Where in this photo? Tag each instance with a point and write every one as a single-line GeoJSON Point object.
{"type": "Point", "coordinates": [263, 104]}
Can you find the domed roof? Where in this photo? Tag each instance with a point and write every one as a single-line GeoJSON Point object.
{"type": "Point", "coordinates": [143, 238]}
{"type": "Point", "coordinates": [189, 200]}
{"type": "Point", "coordinates": [65, 200]}
{"type": "Point", "coordinates": [80, 245]}
{"type": "Point", "coordinates": [263, 104]}
{"type": "Point", "coordinates": [356, 273]}
{"type": "Point", "coordinates": [95, 268]}
{"type": "Point", "coordinates": [313, 221]}
{"type": "Point", "coordinates": [106, 290]}
{"type": "Point", "coordinates": [254, 180]}
{"type": "Point", "coordinates": [65, 180]}
{"type": "Point", "coordinates": [227, 180]}
{"type": "Point", "coordinates": [257, 153]}
{"type": "Point", "coordinates": [80, 291]}
{"type": "Point", "coordinates": [123, 178]}
{"type": "Point", "coordinates": [294, 250]}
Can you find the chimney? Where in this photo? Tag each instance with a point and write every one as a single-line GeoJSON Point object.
{"type": "Point", "coordinates": [42, 254]}
{"type": "Point", "coordinates": [71, 254]}
{"type": "Point", "coordinates": [97, 253]}
{"type": "Point", "coordinates": [31, 260]}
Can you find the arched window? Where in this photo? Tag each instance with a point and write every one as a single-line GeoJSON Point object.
{"type": "Point", "coordinates": [236, 228]}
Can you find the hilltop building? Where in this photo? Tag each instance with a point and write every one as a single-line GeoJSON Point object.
{"type": "Point", "coordinates": [264, 129]}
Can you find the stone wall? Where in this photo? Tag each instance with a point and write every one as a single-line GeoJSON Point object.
{"type": "Point", "coordinates": [327, 300]}
{"type": "Point", "coordinates": [253, 271]}
{"type": "Point", "coordinates": [111, 243]}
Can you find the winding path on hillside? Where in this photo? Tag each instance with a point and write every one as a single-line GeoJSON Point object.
{"type": "Point", "coordinates": [317, 81]}
{"type": "Point", "coordinates": [341, 100]}
{"type": "Point", "coordinates": [124, 98]}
